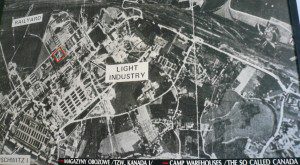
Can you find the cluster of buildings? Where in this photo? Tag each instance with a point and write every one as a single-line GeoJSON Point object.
{"type": "Point", "coordinates": [69, 85]}
{"type": "Point", "coordinates": [56, 91]}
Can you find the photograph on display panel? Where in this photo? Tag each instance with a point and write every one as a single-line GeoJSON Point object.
{"type": "Point", "coordinates": [148, 79]}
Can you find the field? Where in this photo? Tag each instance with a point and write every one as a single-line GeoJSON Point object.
{"type": "Point", "coordinates": [264, 8]}
{"type": "Point", "coordinates": [126, 96]}
{"type": "Point", "coordinates": [259, 128]}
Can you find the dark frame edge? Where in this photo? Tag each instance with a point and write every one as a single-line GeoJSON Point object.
{"type": "Point", "coordinates": [293, 12]}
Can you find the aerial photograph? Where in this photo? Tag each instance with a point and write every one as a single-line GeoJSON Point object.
{"type": "Point", "coordinates": [148, 79]}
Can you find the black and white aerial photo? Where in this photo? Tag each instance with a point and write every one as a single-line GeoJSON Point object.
{"type": "Point", "coordinates": [148, 79]}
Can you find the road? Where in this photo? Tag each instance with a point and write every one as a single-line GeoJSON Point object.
{"type": "Point", "coordinates": [214, 30]}
{"type": "Point", "coordinates": [262, 152]}
{"type": "Point", "coordinates": [201, 30]}
{"type": "Point", "coordinates": [247, 62]}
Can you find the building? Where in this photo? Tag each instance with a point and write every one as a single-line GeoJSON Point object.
{"type": "Point", "coordinates": [144, 120]}
{"type": "Point", "coordinates": [73, 101]}
{"type": "Point", "coordinates": [32, 134]}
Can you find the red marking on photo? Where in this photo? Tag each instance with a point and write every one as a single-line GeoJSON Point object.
{"type": "Point", "coordinates": [165, 163]}
{"type": "Point", "coordinates": [56, 51]}
{"type": "Point", "coordinates": [60, 161]}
